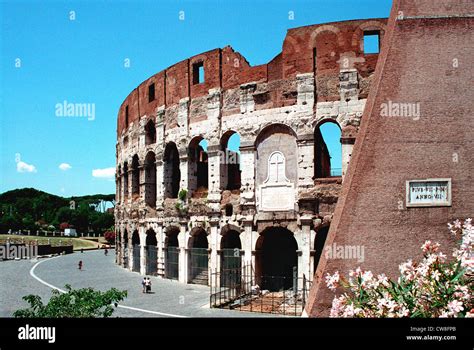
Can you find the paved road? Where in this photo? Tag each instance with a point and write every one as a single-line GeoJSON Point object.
{"type": "Point", "coordinates": [171, 299]}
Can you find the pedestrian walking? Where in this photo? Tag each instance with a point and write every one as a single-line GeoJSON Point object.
{"type": "Point", "coordinates": [80, 265]}
{"type": "Point", "coordinates": [144, 285]}
{"type": "Point", "coordinates": [148, 285]}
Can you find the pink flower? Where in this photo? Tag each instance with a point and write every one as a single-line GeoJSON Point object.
{"type": "Point", "coordinates": [429, 247]}
{"type": "Point", "coordinates": [332, 281]}
{"type": "Point", "coordinates": [454, 307]}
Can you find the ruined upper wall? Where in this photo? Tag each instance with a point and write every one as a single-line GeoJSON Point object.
{"type": "Point", "coordinates": [322, 49]}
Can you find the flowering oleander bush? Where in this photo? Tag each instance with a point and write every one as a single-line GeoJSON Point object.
{"type": "Point", "coordinates": [434, 287]}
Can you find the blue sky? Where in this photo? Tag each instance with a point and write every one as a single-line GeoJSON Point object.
{"type": "Point", "coordinates": [47, 58]}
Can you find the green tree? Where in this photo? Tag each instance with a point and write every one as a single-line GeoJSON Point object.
{"type": "Point", "coordinates": [74, 303]}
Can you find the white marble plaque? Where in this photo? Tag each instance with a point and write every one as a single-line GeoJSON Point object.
{"type": "Point", "coordinates": [277, 193]}
{"type": "Point", "coordinates": [428, 193]}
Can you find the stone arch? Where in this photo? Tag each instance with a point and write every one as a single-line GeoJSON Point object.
{"type": "Point", "coordinates": [136, 251]}
{"type": "Point", "coordinates": [172, 173]}
{"type": "Point", "coordinates": [276, 258]}
{"type": "Point", "coordinates": [198, 169]}
{"type": "Point", "coordinates": [151, 252]}
{"type": "Point", "coordinates": [230, 256]}
{"type": "Point", "coordinates": [319, 241]}
{"type": "Point", "coordinates": [135, 176]}
{"type": "Point", "coordinates": [198, 262]}
{"type": "Point", "coordinates": [150, 132]}
{"type": "Point", "coordinates": [323, 167]}
{"type": "Point", "coordinates": [230, 166]}
{"type": "Point", "coordinates": [171, 252]}
{"type": "Point", "coordinates": [326, 28]}
{"type": "Point", "coordinates": [150, 179]}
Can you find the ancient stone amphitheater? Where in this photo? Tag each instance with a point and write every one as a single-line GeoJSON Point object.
{"type": "Point", "coordinates": [192, 207]}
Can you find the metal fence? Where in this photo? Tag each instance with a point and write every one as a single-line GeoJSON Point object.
{"type": "Point", "coordinates": [151, 260]}
{"type": "Point", "coordinates": [244, 294]}
{"type": "Point", "coordinates": [336, 171]}
{"type": "Point", "coordinates": [199, 264]}
{"type": "Point", "coordinates": [136, 258]}
{"type": "Point", "coordinates": [172, 262]}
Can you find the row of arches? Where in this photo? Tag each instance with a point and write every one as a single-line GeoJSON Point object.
{"type": "Point", "coordinates": [276, 255]}
{"type": "Point", "coordinates": [327, 161]}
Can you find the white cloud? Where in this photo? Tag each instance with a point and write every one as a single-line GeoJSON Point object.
{"type": "Point", "coordinates": [23, 167]}
{"type": "Point", "coordinates": [106, 173]}
{"type": "Point", "coordinates": [65, 166]}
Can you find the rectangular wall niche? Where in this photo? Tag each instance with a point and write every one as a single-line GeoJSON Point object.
{"type": "Point", "coordinates": [428, 193]}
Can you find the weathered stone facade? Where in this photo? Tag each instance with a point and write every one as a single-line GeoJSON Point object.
{"type": "Point", "coordinates": [321, 75]}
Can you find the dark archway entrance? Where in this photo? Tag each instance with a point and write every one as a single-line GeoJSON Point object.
{"type": "Point", "coordinates": [231, 259]}
{"type": "Point", "coordinates": [198, 172]}
{"type": "Point", "coordinates": [276, 259]}
{"type": "Point", "coordinates": [172, 253]}
{"type": "Point", "coordinates": [151, 253]}
{"type": "Point", "coordinates": [136, 251]}
{"type": "Point", "coordinates": [150, 180]}
{"type": "Point", "coordinates": [319, 241]}
{"type": "Point", "coordinates": [172, 174]}
{"type": "Point", "coordinates": [198, 257]}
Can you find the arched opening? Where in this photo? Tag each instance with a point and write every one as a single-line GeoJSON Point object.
{"type": "Point", "coordinates": [172, 174]}
{"type": "Point", "coordinates": [150, 180]}
{"type": "Point", "coordinates": [125, 180]}
{"type": "Point", "coordinates": [136, 251]}
{"type": "Point", "coordinates": [319, 241]}
{"type": "Point", "coordinates": [276, 259]}
{"type": "Point", "coordinates": [135, 177]}
{"type": "Point", "coordinates": [231, 259]}
{"type": "Point", "coordinates": [151, 252]}
{"type": "Point", "coordinates": [125, 255]}
{"type": "Point", "coordinates": [150, 133]}
{"type": "Point", "coordinates": [327, 150]}
{"type": "Point", "coordinates": [198, 257]}
{"type": "Point", "coordinates": [198, 168]}
{"type": "Point", "coordinates": [230, 165]}
{"type": "Point", "coordinates": [172, 253]}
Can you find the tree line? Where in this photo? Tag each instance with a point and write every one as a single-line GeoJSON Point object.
{"type": "Point", "coordinates": [31, 209]}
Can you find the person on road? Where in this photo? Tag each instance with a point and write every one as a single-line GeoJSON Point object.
{"type": "Point", "coordinates": [80, 265]}
{"type": "Point", "coordinates": [106, 252]}
{"type": "Point", "coordinates": [148, 285]}
{"type": "Point", "coordinates": [144, 285]}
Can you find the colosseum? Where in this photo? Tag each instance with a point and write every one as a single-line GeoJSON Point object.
{"type": "Point", "coordinates": [191, 207]}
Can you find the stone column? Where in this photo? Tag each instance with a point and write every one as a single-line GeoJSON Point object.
{"type": "Point", "coordinates": [160, 140]}
{"type": "Point", "coordinates": [214, 246]}
{"type": "Point", "coordinates": [248, 245]}
{"type": "Point", "coordinates": [183, 251]}
{"type": "Point", "coordinates": [142, 234]}
{"type": "Point", "coordinates": [183, 168]}
{"type": "Point", "coordinates": [214, 162]}
{"type": "Point", "coordinates": [305, 145]}
{"type": "Point", "coordinates": [160, 238]}
{"type": "Point", "coordinates": [247, 190]}
{"type": "Point", "coordinates": [130, 250]}
{"type": "Point", "coordinates": [304, 245]}
{"type": "Point", "coordinates": [347, 146]}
